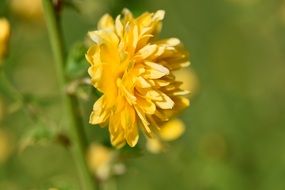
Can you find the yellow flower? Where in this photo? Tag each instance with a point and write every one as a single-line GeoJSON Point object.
{"type": "Point", "coordinates": [189, 79]}
{"type": "Point", "coordinates": [4, 36]}
{"type": "Point", "coordinates": [135, 74]}
{"type": "Point", "coordinates": [155, 145]}
{"type": "Point", "coordinates": [27, 9]}
{"type": "Point", "coordinates": [99, 160]}
{"type": "Point", "coordinates": [170, 131]}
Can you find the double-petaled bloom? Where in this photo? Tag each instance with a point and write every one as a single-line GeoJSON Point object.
{"type": "Point", "coordinates": [134, 71]}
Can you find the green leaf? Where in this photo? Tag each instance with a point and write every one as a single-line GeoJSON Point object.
{"type": "Point", "coordinates": [76, 63]}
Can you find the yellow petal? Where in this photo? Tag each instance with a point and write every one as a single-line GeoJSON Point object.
{"type": "Point", "coordinates": [127, 117]}
{"type": "Point", "coordinates": [154, 95]}
{"type": "Point", "coordinates": [119, 26]}
{"type": "Point", "coordinates": [129, 96]}
{"type": "Point", "coordinates": [156, 71]}
{"type": "Point", "coordinates": [142, 83]}
{"type": "Point", "coordinates": [159, 15]}
{"type": "Point", "coordinates": [99, 113]}
{"type": "Point", "coordinates": [106, 22]}
{"type": "Point", "coordinates": [144, 20]}
{"type": "Point", "coordinates": [129, 123]}
{"type": "Point", "coordinates": [131, 37]}
{"type": "Point", "coordinates": [160, 50]}
{"type": "Point", "coordinates": [93, 55]}
{"type": "Point", "coordinates": [118, 141]}
{"type": "Point", "coordinates": [116, 131]}
{"type": "Point", "coordinates": [96, 74]}
{"type": "Point", "coordinates": [180, 104]}
{"type": "Point", "coordinates": [128, 16]}
{"type": "Point", "coordinates": [161, 115]}
{"type": "Point", "coordinates": [183, 102]}
{"type": "Point", "coordinates": [169, 42]}
{"type": "Point", "coordinates": [146, 105]}
{"type": "Point", "coordinates": [147, 51]}
{"type": "Point", "coordinates": [133, 136]}
{"type": "Point", "coordinates": [145, 123]}
{"type": "Point", "coordinates": [161, 83]}
{"type": "Point", "coordinates": [157, 67]}
{"type": "Point", "coordinates": [166, 103]}
{"type": "Point", "coordinates": [153, 74]}
{"type": "Point", "coordinates": [180, 93]}
{"type": "Point", "coordinates": [108, 85]}
{"type": "Point", "coordinates": [104, 37]}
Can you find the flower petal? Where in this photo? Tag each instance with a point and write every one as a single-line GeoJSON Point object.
{"type": "Point", "coordinates": [106, 22]}
{"type": "Point", "coordinates": [99, 113]}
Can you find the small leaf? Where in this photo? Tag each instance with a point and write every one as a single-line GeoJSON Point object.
{"type": "Point", "coordinates": [76, 63]}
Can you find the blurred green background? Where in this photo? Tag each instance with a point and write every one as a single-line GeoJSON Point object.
{"type": "Point", "coordinates": [235, 124]}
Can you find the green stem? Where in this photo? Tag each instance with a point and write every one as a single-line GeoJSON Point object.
{"type": "Point", "coordinates": [70, 102]}
{"type": "Point", "coordinates": [9, 89]}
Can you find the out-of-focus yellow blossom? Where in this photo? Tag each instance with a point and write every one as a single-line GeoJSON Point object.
{"type": "Point", "coordinates": [155, 145]}
{"type": "Point", "coordinates": [170, 131]}
{"type": "Point", "coordinates": [5, 146]}
{"type": "Point", "coordinates": [27, 9]}
{"type": "Point", "coordinates": [4, 37]}
{"type": "Point", "coordinates": [100, 160]}
{"type": "Point", "coordinates": [189, 79]}
{"type": "Point", "coordinates": [135, 74]}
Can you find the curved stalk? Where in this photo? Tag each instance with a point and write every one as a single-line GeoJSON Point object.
{"type": "Point", "coordinates": [79, 139]}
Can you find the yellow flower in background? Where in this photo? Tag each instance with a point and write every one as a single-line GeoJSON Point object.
{"type": "Point", "coordinates": [99, 160]}
{"type": "Point", "coordinates": [155, 145]}
{"type": "Point", "coordinates": [27, 9]}
{"type": "Point", "coordinates": [134, 71]}
{"type": "Point", "coordinates": [189, 79]}
{"type": "Point", "coordinates": [4, 37]}
{"type": "Point", "coordinates": [170, 131]}
{"type": "Point", "coordinates": [104, 162]}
